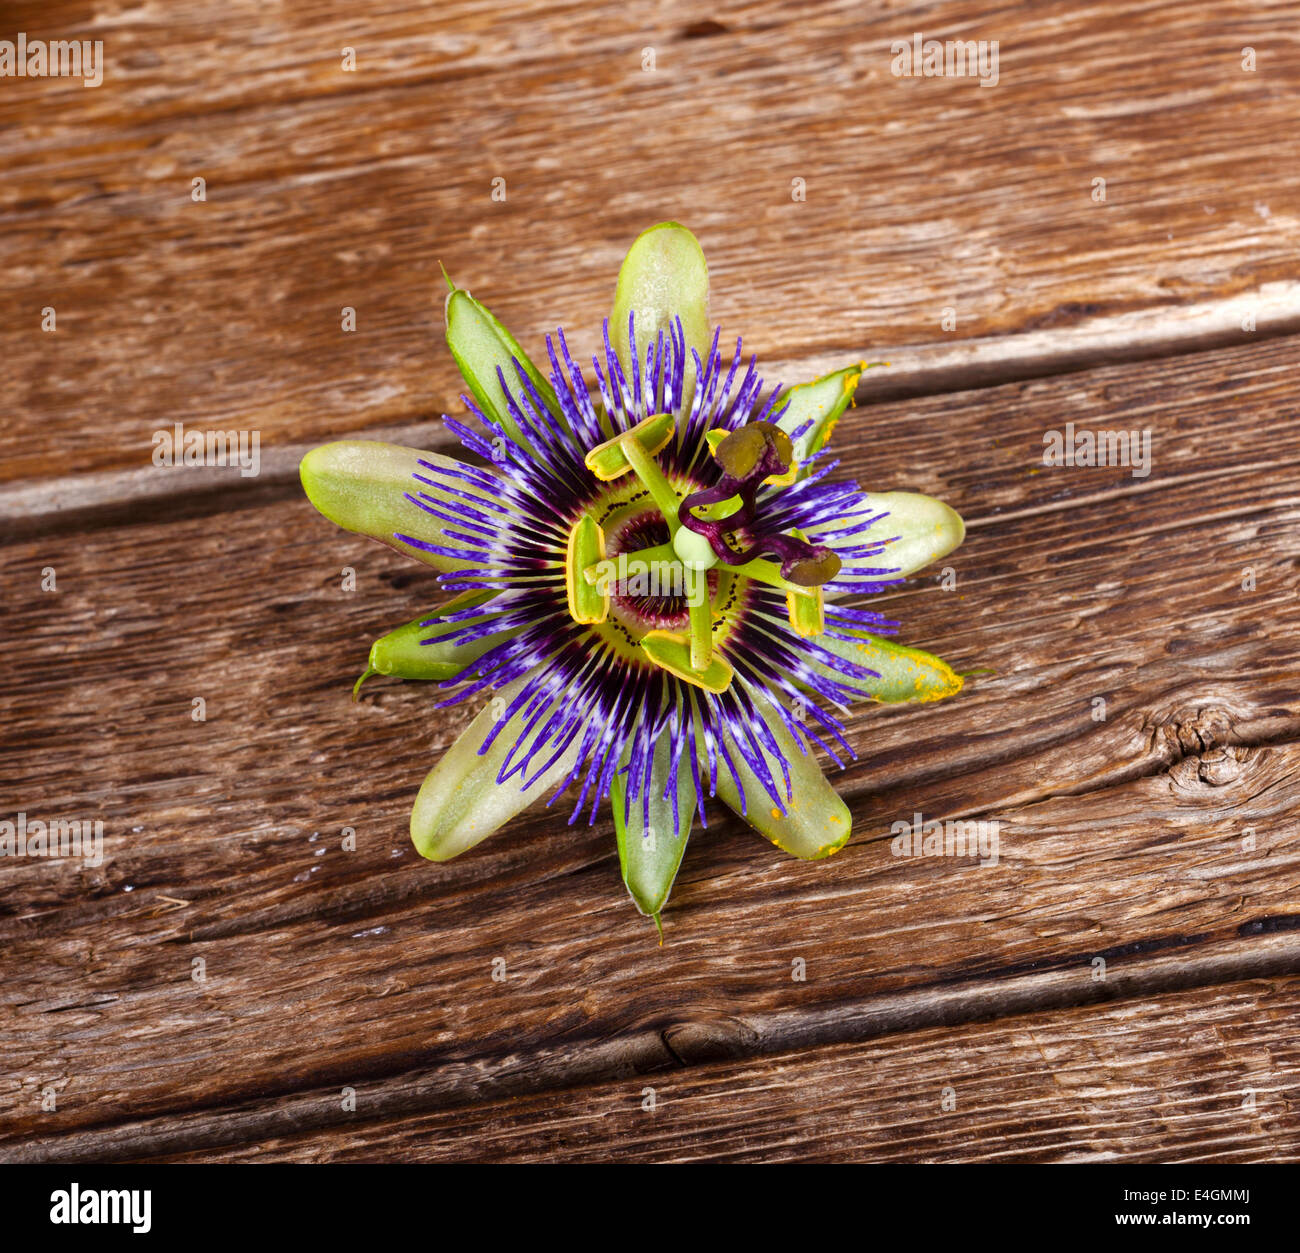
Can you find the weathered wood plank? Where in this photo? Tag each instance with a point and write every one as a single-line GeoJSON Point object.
{"type": "Point", "coordinates": [328, 189]}
{"type": "Point", "coordinates": [700, 1041]}
{"type": "Point", "coordinates": [248, 55]}
{"type": "Point", "coordinates": [116, 1028]}
{"type": "Point", "coordinates": [1092, 1084]}
{"type": "Point", "coordinates": [1121, 838]}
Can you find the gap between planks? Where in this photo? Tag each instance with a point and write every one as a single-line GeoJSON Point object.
{"type": "Point", "coordinates": [115, 497]}
{"type": "Point", "coordinates": [678, 1046]}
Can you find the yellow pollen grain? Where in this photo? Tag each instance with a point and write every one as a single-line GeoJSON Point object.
{"type": "Point", "coordinates": [776, 813]}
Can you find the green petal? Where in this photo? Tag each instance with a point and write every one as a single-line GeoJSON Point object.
{"type": "Point", "coordinates": [360, 485]}
{"type": "Point", "coordinates": [926, 528]}
{"type": "Point", "coordinates": [460, 801]}
{"type": "Point", "coordinates": [650, 853]}
{"type": "Point", "coordinates": [480, 344]}
{"type": "Point", "coordinates": [820, 402]}
{"type": "Point", "coordinates": [816, 823]}
{"type": "Point", "coordinates": [663, 276]}
{"type": "Point", "coordinates": [404, 654]}
{"type": "Point", "coordinates": [906, 674]}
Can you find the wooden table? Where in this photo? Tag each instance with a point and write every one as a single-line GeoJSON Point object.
{"type": "Point", "coordinates": [1121, 985]}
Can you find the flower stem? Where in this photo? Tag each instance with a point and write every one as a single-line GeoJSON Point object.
{"type": "Point", "coordinates": [697, 598]}
{"type": "Point", "coordinates": [646, 468]}
{"type": "Point", "coordinates": [660, 552]}
{"type": "Point", "coordinates": [761, 570]}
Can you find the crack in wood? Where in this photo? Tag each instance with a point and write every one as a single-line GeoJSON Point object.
{"type": "Point", "coordinates": [695, 1042]}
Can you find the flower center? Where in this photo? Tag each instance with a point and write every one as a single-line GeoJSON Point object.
{"type": "Point", "coordinates": [666, 566]}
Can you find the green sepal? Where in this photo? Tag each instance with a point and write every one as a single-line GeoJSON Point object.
{"type": "Point", "coordinates": [820, 402]}
{"type": "Point", "coordinates": [649, 854]}
{"type": "Point", "coordinates": [403, 654]}
{"type": "Point", "coordinates": [920, 529]}
{"type": "Point", "coordinates": [361, 485]}
{"type": "Point", "coordinates": [479, 344]}
{"type": "Point", "coordinates": [663, 276]}
{"type": "Point", "coordinates": [906, 674]}
{"type": "Point", "coordinates": [460, 802]}
{"type": "Point", "coordinates": [815, 822]}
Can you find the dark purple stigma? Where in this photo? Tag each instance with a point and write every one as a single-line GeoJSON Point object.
{"type": "Point", "coordinates": [749, 455]}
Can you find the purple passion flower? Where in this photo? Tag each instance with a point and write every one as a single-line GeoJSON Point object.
{"type": "Point", "coordinates": [653, 581]}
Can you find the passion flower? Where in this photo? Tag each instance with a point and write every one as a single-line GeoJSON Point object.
{"type": "Point", "coordinates": [651, 579]}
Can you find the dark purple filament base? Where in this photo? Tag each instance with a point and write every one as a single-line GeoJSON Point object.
{"type": "Point", "coordinates": [657, 610]}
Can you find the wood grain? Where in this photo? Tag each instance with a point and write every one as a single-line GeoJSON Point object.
{"type": "Point", "coordinates": [1132, 720]}
{"type": "Point", "coordinates": [328, 189]}
{"type": "Point", "coordinates": [1121, 838]}
{"type": "Point", "coordinates": [1092, 1084]}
